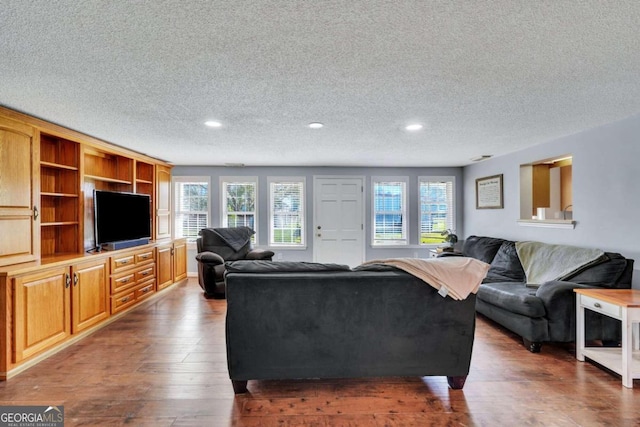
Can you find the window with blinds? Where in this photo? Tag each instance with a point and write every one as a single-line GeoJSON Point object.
{"type": "Point", "coordinates": [239, 198]}
{"type": "Point", "coordinates": [191, 195]}
{"type": "Point", "coordinates": [437, 208]}
{"type": "Point", "coordinates": [286, 212]}
{"type": "Point", "coordinates": [390, 212]}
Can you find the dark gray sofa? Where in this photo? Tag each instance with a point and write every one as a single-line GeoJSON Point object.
{"type": "Point", "coordinates": [545, 313]}
{"type": "Point", "coordinates": [296, 320]}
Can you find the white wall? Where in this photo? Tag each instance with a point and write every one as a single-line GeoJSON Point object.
{"type": "Point", "coordinates": [606, 195]}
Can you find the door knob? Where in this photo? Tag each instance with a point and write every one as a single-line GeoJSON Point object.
{"type": "Point", "coordinates": [319, 227]}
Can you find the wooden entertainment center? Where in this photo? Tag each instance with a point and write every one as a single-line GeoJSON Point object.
{"type": "Point", "coordinates": [55, 288]}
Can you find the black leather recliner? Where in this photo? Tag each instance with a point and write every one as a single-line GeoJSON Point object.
{"type": "Point", "coordinates": [218, 245]}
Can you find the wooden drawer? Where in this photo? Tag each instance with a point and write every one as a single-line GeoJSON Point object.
{"type": "Point", "coordinates": [123, 282]}
{"type": "Point", "coordinates": [601, 306]}
{"type": "Point", "coordinates": [145, 290]}
{"type": "Point", "coordinates": [122, 301]}
{"type": "Point", "coordinates": [145, 257]}
{"type": "Point", "coordinates": [122, 262]}
{"type": "Point", "coordinates": [146, 273]}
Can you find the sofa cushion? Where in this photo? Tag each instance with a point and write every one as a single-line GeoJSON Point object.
{"type": "Point", "coordinates": [606, 273]}
{"type": "Point", "coordinates": [482, 248]}
{"type": "Point", "coordinates": [513, 297]}
{"type": "Point", "coordinates": [506, 266]}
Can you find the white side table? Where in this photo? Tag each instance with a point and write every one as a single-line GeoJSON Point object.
{"type": "Point", "coordinates": [621, 304]}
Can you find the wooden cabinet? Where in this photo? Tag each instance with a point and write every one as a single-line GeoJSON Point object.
{"type": "Point", "coordinates": [540, 189]}
{"type": "Point", "coordinates": [19, 227]}
{"type": "Point", "coordinates": [90, 293]}
{"type": "Point", "coordinates": [179, 259]}
{"type": "Point", "coordinates": [133, 277]}
{"type": "Point", "coordinates": [165, 265]}
{"type": "Point", "coordinates": [42, 310]}
{"type": "Point", "coordinates": [172, 262]}
{"type": "Point", "coordinates": [163, 202]}
{"type": "Point", "coordinates": [54, 287]}
{"type": "Point", "coordinates": [52, 304]}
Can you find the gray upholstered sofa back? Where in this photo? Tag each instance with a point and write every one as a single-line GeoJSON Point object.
{"type": "Point", "coordinates": [612, 271]}
{"type": "Point", "coordinates": [303, 320]}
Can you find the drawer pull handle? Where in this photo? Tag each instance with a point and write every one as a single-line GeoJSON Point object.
{"type": "Point", "coordinates": [124, 261]}
{"type": "Point", "coordinates": [125, 299]}
{"type": "Point", "coordinates": [145, 273]}
{"type": "Point", "coordinates": [597, 305]}
{"type": "Point", "coordinates": [125, 280]}
{"type": "Point", "coordinates": [145, 290]}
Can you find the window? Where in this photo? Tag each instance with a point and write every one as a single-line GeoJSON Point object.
{"type": "Point", "coordinates": [286, 212]}
{"type": "Point", "coordinates": [390, 211]}
{"type": "Point", "coordinates": [437, 208]}
{"type": "Point", "coordinates": [191, 195]}
{"type": "Point", "coordinates": [239, 199]}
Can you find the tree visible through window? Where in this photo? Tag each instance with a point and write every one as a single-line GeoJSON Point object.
{"type": "Point", "coordinates": [389, 212]}
{"type": "Point", "coordinates": [239, 204]}
{"type": "Point", "coordinates": [192, 206]}
{"type": "Point", "coordinates": [436, 209]}
{"type": "Point", "coordinates": [287, 212]}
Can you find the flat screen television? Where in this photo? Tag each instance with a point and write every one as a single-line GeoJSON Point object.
{"type": "Point", "coordinates": [121, 217]}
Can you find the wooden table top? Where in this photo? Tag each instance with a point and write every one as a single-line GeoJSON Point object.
{"type": "Point", "coordinates": [621, 297]}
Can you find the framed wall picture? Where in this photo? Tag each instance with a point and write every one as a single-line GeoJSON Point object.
{"type": "Point", "coordinates": [489, 194]}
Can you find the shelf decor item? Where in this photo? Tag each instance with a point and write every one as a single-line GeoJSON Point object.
{"type": "Point", "coordinates": [489, 192]}
{"type": "Point", "coordinates": [450, 237]}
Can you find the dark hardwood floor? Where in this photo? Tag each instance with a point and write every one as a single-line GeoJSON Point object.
{"type": "Point", "coordinates": [164, 364]}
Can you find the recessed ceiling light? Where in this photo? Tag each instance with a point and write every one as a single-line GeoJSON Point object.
{"type": "Point", "coordinates": [414, 127]}
{"type": "Point", "coordinates": [315, 125]}
{"type": "Point", "coordinates": [213, 124]}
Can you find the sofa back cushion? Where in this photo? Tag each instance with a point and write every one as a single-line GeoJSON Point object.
{"type": "Point", "coordinates": [482, 248]}
{"type": "Point", "coordinates": [210, 241]}
{"type": "Point", "coordinates": [506, 266]}
{"type": "Point", "coordinates": [261, 267]}
{"type": "Point", "coordinates": [610, 273]}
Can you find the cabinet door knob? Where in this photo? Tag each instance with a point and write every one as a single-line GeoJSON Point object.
{"type": "Point", "coordinates": [67, 281]}
{"type": "Point", "coordinates": [597, 305]}
{"type": "Point", "coordinates": [75, 279]}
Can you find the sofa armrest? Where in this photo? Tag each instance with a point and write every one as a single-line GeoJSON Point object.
{"type": "Point", "coordinates": [559, 302]}
{"type": "Point", "coordinates": [209, 258]}
{"type": "Point", "coordinates": [256, 254]}
{"type": "Point", "coordinates": [549, 292]}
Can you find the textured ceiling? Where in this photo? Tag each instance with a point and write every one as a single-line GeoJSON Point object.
{"type": "Point", "coordinates": [484, 77]}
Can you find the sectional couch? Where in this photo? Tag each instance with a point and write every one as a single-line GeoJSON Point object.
{"type": "Point", "coordinates": [543, 312]}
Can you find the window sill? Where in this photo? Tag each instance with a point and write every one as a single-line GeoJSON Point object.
{"type": "Point", "coordinates": [547, 223]}
{"type": "Point", "coordinates": [285, 248]}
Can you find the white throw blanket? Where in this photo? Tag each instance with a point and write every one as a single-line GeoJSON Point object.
{"type": "Point", "coordinates": [453, 276]}
{"type": "Point", "coordinates": [543, 262]}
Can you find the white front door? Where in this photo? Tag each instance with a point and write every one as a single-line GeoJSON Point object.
{"type": "Point", "coordinates": [338, 226]}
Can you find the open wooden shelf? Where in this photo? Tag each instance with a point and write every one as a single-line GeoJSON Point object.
{"type": "Point", "coordinates": [108, 179]}
{"type": "Point", "coordinates": [57, 166]}
{"type": "Point", "coordinates": [59, 195]}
